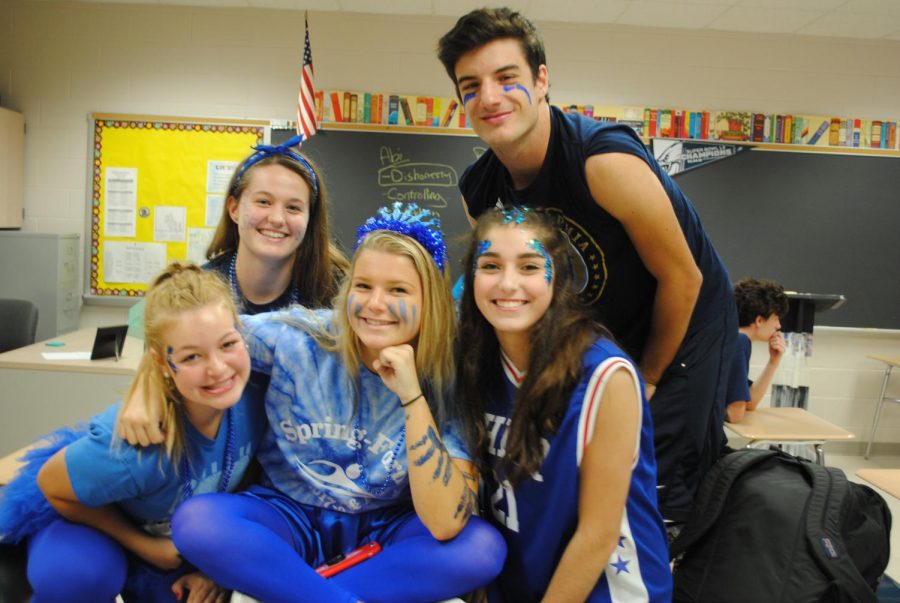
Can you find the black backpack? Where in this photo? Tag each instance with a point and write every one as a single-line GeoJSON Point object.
{"type": "Point", "coordinates": [769, 527]}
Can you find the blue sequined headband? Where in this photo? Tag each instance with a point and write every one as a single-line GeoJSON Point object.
{"type": "Point", "coordinates": [410, 220]}
{"type": "Point", "coordinates": [264, 150]}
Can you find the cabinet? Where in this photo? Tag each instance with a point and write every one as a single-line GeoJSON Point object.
{"type": "Point", "coordinates": [12, 168]}
{"type": "Point", "coordinates": [43, 268]}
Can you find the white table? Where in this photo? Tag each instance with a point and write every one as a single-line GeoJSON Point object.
{"type": "Point", "coordinates": [38, 395]}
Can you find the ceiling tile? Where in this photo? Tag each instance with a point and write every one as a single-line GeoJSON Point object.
{"type": "Point", "coordinates": [850, 25]}
{"type": "Point", "coordinates": [458, 8]}
{"type": "Point", "coordinates": [663, 14]}
{"type": "Point", "coordinates": [871, 7]}
{"type": "Point", "coordinates": [581, 11]}
{"type": "Point", "coordinates": [391, 7]}
{"type": "Point", "coordinates": [822, 5]}
{"type": "Point", "coordinates": [319, 5]}
{"type": "Point", "coordinates": [763, 19]}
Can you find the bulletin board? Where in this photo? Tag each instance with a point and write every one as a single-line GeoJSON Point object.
{"type": "Point", "coordinates": [157, 190]}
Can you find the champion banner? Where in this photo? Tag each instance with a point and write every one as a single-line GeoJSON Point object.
{"type": "Point", "coordinates": [676, 156]}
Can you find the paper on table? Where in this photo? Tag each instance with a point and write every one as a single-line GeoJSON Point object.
{"type": "Point", "coordinates": [66, 355]}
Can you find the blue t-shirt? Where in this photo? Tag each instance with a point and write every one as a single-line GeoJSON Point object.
{"type": "Point", "coordinates": [539, 516]}
{"type": "Point", "coordinates": [319, 451]}
{"type": "Point", "coordinates": [142, 481]}
{"type": "Point", "coordinates": [738, 389]}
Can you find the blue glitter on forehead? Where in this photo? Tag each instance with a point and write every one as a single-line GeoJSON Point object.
{"type": "Point", "coordinates": [548, 265]}
{"type": "Point", "coordinates": [514, 215]}
{"type": "Point", "coordinates": [483, 246]}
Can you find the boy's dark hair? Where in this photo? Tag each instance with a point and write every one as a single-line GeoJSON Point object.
{"type": "Point", "coordinates": [486, 25]}
{"type": "Point", "coordinates": [759, 298]}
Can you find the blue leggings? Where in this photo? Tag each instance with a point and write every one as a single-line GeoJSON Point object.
{"type": "Point", "coordinates": [74, 563]}
{"type": "Point", "coordinates": [246, 544]}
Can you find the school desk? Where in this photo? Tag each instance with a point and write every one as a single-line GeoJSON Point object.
{"type": "Point", "coordinates": [890, 362]}
{"type": "Point", "coordinates": [38, 395]}
{"type": "Point", "coordinates": [788, 425]}
{"type": "Point", "coordinates": [886, 479]}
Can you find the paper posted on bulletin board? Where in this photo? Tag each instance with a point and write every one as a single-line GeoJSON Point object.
{"type": "Point", "coordinates": [157, 194]}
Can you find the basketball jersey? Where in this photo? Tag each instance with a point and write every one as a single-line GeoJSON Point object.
{"type": "Point", "coordinates": [539, 516]}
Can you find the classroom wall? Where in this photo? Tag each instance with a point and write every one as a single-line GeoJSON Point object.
{"type": "Point", "coordinates": [61, 61]}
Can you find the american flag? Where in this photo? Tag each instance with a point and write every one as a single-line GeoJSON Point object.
{"type": "Point", "coordinates": [306, 99]}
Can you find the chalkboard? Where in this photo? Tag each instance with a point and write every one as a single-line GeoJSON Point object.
{"type": "Point", "coordinates": [365, 170]}
{"type": "Point", "coordinates": [816, 223]}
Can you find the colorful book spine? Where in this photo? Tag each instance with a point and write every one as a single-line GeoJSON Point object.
{"type": "Point", "coordinates": [407, 112]}
{"type": "Point", "coordinates": [834, 132]}
{"type": "Point", "coordinates": [448, 113]}
{"type": "Point", "coordinates": [704, 126]}
{"type": "Point", "coordinates": [759, 127]}
{"type": "Point", "coordinates": [825, 125]}
{"type": "Point", "coordinates": [320, 105]}
{"type": "Point", "coordinates": [875, 137]}
{"type": "Point", "coordinates": [394, 110]}
{"type": "Point", "coordinates": [857, 130]}
{"type": "Point", "coordinates": [336, 106]}
{"type": "Point", "coordinates": [654, 123]}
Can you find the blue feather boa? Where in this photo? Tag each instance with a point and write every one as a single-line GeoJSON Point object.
{"type": "Point", "coordinates": [23, 508]}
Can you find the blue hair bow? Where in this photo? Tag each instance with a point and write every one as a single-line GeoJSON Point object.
{"type": "Point", "coordinates": [265, 150]}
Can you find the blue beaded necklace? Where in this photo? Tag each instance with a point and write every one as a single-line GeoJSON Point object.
{"type": "Point", "coordinates": [187, 488]}
{"type": "Point", "coordinates": [239, 298]}
{"type": "Point", "coordinates": [360, 460]}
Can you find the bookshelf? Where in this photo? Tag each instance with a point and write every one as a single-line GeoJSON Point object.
{"type": "Point", "coordinates": [777, 131]}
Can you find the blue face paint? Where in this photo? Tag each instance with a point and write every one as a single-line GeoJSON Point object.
{"type": "Point", "coordinates": [483, 246]}
{"type": "Point", "coordinates": [172, 366]}
{"type": "Point", "coordinates": [467, 98]}
{"type": "Point", "coordinates": [414, 310]}
{"type": "Point", "coordinates": [393, 312]}
{"type": "Point", "coordinates": [512, 87]}
{"type": "Point", "coordinates": [548, 265]}
{"type": "Point", "coordinates": [355, 309]}
{"type": "Point", "coordinates": [403, 315]}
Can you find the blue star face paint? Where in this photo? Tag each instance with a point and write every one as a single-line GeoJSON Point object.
{"type": "Point", "coordinates": [172, 366]}
{"type": "Point", "coordinates": [467, 98]}
{"type": "Point", "coordinates": [512, 87]}
{"type": "Point", "coordinates": [548, 265]}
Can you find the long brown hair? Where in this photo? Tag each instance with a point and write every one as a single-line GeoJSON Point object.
{"type": "Point", "coordinates": [319, 264]}
{"type": "Point", "coordinates": [558, 343]}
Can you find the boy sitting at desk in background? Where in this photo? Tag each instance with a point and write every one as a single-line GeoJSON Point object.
{"type": "Point", "coordinates": [760, 306]}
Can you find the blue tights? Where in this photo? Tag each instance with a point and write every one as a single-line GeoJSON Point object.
{"type": "Point", "coordinates": [74, 563]}
{"type": "Point", "coordinates": [246, 544]}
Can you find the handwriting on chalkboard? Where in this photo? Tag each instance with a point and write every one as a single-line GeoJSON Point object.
{"type": "Point", "coordinates": [413, 181]}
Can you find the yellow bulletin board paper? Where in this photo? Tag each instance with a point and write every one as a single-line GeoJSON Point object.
{"type": "Point", "coordinates": [155, 185]}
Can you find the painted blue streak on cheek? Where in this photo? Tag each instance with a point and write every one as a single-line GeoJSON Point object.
{"type": "Point", "coordinates": [172, 366]}
{"type": "Point", "coordinates": [355, 309]}
{"type": "Point", "coordinates": [512, 87]}
{"type": "Point", "coordinates": [393, 311]}
{"type": "Point", "coordinates": [403, 316]}
{"type": "Point", "coordinates": [467, 98]}
{"type": "Point", "coordinates": [414, 312]}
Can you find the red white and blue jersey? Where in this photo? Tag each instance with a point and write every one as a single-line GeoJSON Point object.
{"type": "Point", "coordinates": [539, 516]}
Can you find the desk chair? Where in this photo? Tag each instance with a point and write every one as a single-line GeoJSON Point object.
{"type": "Point", "coordinates": [18, 323]}
{"type": "Point", "coordinates": [890, 362]}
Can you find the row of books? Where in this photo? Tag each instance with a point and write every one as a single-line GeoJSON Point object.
{"type": "Point", "coordinates": [441, 112]}
{"type": "Point", "coordinates": [755, 127]}
{"type": "Point", "coordinates": [389, 109]}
